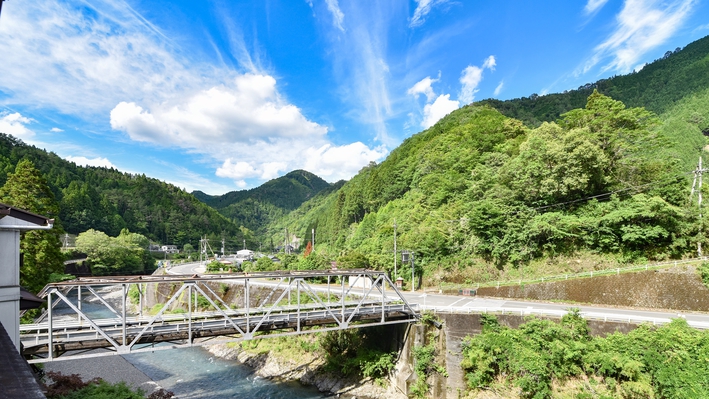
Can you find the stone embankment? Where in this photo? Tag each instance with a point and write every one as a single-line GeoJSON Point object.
{"type": "Point", "coordinates": [675, 288]}
{"type": "Point", "coordinates": [310, 373]}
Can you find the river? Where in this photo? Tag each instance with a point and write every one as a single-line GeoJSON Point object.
{"type": "Point", "coordinates": [194, 373]}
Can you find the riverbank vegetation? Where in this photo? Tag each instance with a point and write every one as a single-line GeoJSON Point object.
{"type": "Point", "coordinates": [60, 386]}
{"type": "Point", "coordinates": [362, 353]}
{"type": "Point", "coordinates": [547, 359]}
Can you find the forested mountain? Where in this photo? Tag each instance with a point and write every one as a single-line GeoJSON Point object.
{"type": "Point", "coordinates": [482, 188]}
{"type": "Point", "coordinates": [656, 87]}
{"type": "Point", "coordinates": [109, 200]}
{"type": "Point", "coordinates": [257, 207]}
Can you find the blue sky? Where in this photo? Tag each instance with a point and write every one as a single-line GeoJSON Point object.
{"type": "Point", "coordinates": [225, 95]}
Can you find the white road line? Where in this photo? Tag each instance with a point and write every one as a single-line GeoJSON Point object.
{"type": "Point", "coordinates": [459, 300]}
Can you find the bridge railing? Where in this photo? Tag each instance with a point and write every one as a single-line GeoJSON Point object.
{"type": "Point", "coordinates": [267, 304]}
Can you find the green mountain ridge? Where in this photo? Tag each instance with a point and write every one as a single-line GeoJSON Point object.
{"type": "Point", "coordinates": [256, 208]}
{"type": "Point", "coordinates": [109, 200]}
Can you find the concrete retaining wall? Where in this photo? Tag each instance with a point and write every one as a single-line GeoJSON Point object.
{"type": "Point", "coordinates": [676, 288]}
{"type": "Point", "coordinates": [449, 349]}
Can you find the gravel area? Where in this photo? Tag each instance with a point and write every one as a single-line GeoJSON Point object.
{"type": "Point", "coordinates": [111, 369]}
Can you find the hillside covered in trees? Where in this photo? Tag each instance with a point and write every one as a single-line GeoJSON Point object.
{"type": "Point", "coordinates": [480, 188]}
{"type": "Point", "coordinates": [257, 207]}
{"type": "Point", "coordinates": [109, 201]}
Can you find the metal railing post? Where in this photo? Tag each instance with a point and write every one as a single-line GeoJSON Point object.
{"type": "Point", "coordinates": [189, 314]}
{"type": "Point", "coordinates": [247, 305]}
{"type": "Point", "coordinates": [125, 326]}
{"type": "Point", "coordinates": [78, 304]}
{"type": "Point", "coordinates": [51, 325]}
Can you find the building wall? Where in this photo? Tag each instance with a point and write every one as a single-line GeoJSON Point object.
{"type": "Point", "coordinates": [10, 284]}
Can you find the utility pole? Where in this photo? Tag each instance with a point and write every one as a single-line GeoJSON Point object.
{"type": "Point", "coordinates": [285, 240]}
{"type": "Point", "coordinates": [313, 246]}
{"type": "Point", "coordinates": [395, 254]}
{"type": "Point", "coordinates": [222, 246]}
{"type": "Point", "coordinates": [698, 176]}
{"type": "Point", "coordinates": [244, 243]}
{"type": "Point", "coordinates": [1, 1]}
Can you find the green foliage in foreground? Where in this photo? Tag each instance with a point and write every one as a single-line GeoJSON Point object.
{"type": "Point", "coordinates": [73, 387]}
{"type": "Point", "coordinates": [362, 351]}
{"type": "Point", "coordinates": [671, 361]}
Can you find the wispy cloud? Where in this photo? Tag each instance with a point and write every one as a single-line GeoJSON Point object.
{"type": "Point", "coordinates": [594, 5]}
{"type": "Point", "coordinates": [471, 77]}
{"type": "Point", "coordinates": [423, 8]}
{"type": "Point", "coordinates": [642, 25]}
{"type": "Point", "coordinates": [338, 16]}
{"type": "Point", "coordinates": [701, 27]}
{"type": "Point", "coordinates": [360, 65]}
{"type": "Point", "coordinates": [85, 59]}
{"type": "Point", "coordinates": [56, 130]}
{"type": "Point", "coordinates": [499, 88]}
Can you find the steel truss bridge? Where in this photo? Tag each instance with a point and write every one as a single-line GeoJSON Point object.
{"type": "Point", "coordinates": [269, 304]}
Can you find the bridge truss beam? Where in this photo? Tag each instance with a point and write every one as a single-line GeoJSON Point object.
{"type": "Point", "coordinates": [294, 303]}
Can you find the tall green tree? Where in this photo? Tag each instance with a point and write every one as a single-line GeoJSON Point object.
{"type": "Point", "coordinates": [27, 188]}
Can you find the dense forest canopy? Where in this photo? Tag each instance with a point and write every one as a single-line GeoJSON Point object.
{"type": "Point", "coordinates": [109, 201]}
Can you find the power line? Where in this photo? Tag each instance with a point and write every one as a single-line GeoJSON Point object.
{"type": "Point", "coordinates": [603, 195]}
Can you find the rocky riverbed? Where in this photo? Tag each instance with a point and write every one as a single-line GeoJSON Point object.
{"type": "Point", "coordinates": [310, 373]}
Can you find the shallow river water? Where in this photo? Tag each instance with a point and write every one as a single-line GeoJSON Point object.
{"type": "Point", "coordinates": [195, 373]}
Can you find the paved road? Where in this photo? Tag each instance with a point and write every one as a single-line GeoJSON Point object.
{"type": "Point", "coordinates": [465, 304]}
{"type": "Point", "coordinates": [187, 268]}
{"type": "Point", "coordinates": [451, 303]}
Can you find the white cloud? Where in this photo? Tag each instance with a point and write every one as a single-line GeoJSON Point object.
{"type": "Point", "coordinates": [236, 170]}
{"type": "Point", "coordinates": [499, 88]}
{"type": "Point", "coordinates": [443, 106]}
{"type": "Point", "coordinates": [642, 25]}
{"type": "Point", "coordinates": [14, 124]}
{"type": "Point", "coordinates": [423, 7]}
{"type": "Point", "coordinates": [471, 77]}
{"type": "Point", "coordinates": [334, 163]}
{"type": "Point", "coordinates": [337, 15]}
{"type": "Point", "coordinates": [98, 161]}
{"type": "Point", "coordinates": [250, 109]}
{"type": "Point", "coordinates": [594, 5]}
{"type": "Point", "coordinates": [423, 87]}
{"type": "Point", "coordinates": [490, 63]}
{"type": "Point", "coordinates": [56, 130]}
